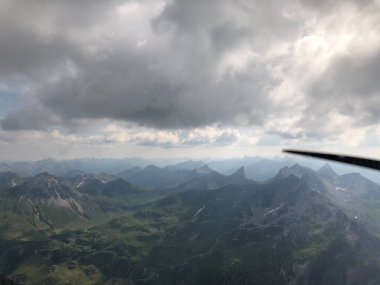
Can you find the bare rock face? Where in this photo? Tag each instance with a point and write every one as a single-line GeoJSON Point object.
{"type": "Point", "coordinates": [45, 188]}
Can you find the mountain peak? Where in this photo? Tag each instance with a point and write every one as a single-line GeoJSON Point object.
{"type": "Point", "coordinates": [305, 174]}
{"type": "Point", "coordinates": [297, 166]}
{"type": "Point", "coordinates": [44, 178]}
{"type": "Point", "coordinates": [296, 170]}
{"type": "Point", "coordinates": [43, 186]}
{"type": "Point", "coordinates": [327, 171]}
{"type": "Point", "coordinates": [203, 170]}
{"type": "Point", "coordinates": [240, 173]}
{"type": "Point", "coordinates": [152, 168]}
{"type": "Point", "coordinates": [238, 177]}
{"type": "Point", "coordinates": [186, 165]}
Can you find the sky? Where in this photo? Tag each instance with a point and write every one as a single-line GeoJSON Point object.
{"type": "Point", "coordinates": [180, 78]}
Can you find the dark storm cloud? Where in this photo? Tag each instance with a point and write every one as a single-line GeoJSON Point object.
{"type": "Point", "coordinates": [185, 67]}
{"type": "Point", "coordinates": [143, 96]}
{"type": "Point", "coordinates": [179, 83]}
{"type": "Point", "coordinates": [28, 119]}
{"type": "Point", "coordinates": [37, 35]}
{"type": "Point", "coordinates": [323, 5]}
{"type": "Point", "coordinates": [219, 25]}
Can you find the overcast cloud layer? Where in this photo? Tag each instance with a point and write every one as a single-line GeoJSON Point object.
{"type": "Point", "coordinates": [184, 74]}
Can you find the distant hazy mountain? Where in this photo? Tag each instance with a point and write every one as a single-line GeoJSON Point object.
{"type": "Point", "coordinates": [156, 177]}
{"type": "Point", "coordinates": [263, 170]}
{"type": "Point", "coordinates": [66, 167]}
{"type": "Point", "coordinates": [214, 180]}
{"type": "Point", "coordinates": [229, 166]}
{"type": "Point", "coordinates": [187, 165]}
{"type": "Point", "coordinates": [256, 168]}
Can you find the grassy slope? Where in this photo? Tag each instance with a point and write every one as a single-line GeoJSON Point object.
{"type": "Point", "coordinates": [168, 242]}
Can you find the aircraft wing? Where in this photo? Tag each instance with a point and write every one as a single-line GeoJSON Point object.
{"type": "Point", "coordinates": [359, 161]}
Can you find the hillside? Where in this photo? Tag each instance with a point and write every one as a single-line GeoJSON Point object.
{"type": "Point", "coordinates": [297, 228]}
{"type": "Point", "coordinates": [289, 230]}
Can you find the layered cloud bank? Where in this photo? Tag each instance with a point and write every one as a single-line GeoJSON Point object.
{"type": "Point", "coordinates": [184, 73]}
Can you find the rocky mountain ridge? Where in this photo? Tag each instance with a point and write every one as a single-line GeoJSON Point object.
{"type": "Point", "coordinates": [299, 227]}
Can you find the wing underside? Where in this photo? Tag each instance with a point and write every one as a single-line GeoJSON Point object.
{"type": "Point", "coordinates": [359, 161]}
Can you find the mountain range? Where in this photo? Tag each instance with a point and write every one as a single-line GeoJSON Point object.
{"type": "Point", "coordinates": [256, 168]}
{"type": "Point", "coordinates": [172, 225]}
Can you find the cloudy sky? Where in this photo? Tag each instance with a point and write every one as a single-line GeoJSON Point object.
{"type": "Point", "coordinates": [180, 78]}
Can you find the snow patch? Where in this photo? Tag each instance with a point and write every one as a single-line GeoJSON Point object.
{"type": "Point", "coordinates": [199, 211]}
{"type": "Point", "coordinates": [274, 210]}
{"type": "Point", "coordinates": [341, 189]}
